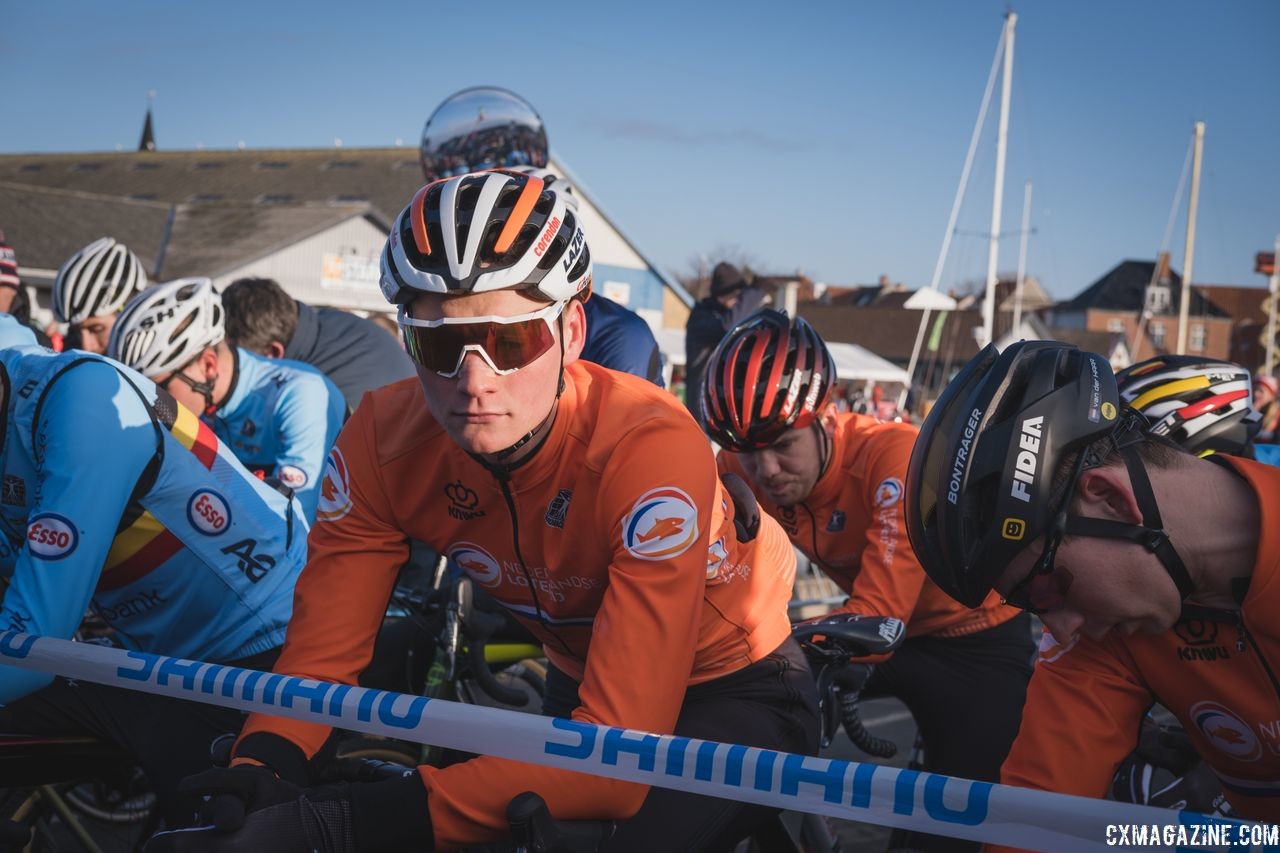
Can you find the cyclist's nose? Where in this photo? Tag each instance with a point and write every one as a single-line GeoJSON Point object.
{"type": "Point", "coordinates": [475, 376]}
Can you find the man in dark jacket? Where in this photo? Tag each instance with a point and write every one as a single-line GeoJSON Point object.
{"type": "Point", "coordinates": [352, 351]}
{"type": "Point", "coordinates": [731, 299]}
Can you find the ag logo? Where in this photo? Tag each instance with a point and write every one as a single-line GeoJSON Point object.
{"type": "Point", "coordinates": [208, 512]}
{"type": "Point", "coordinates": [888, 493]}
{"type": "Point", "coordinates": [1109, 411]}
{"type": "Point", "coordinates": [292, 476]}
{"type": "Point", "coordinates": [1226, 731]}
{"type": "Point", "coordinates": [837, 521]}
{"type": "Point", "coordinates": [51, 536]}
{"type": "Point", "coordinates": [477, 562]}
{"type": "Point", "coordinates": [1013, 529]}
{"type": "Point", "coordinates": [14, 491]}
{"type": "Point", "coordinates": [255, 566]}
{"type": "Point", "coordinates": [663, 523]}
{"type": "Point", "coordinates": [557, 509]}
{"type": "Point", "coordinates": [335, 489]}
{"type": "Point", "coordinates": [463, 501]}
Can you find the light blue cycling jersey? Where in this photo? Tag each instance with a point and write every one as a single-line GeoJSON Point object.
{"type": "Point", "coordinates": [281, 417]}
{"type": "Point", "coordinates": [116, 498]}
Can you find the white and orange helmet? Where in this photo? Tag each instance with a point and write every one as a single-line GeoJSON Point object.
{"type": "Point", "coordinates": [485, 231]}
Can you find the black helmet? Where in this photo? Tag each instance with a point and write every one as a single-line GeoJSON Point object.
{"type": "Point", "coordinates": [980, 484]}
{"type": "Point", "coordinates": [1202, 404]}
{"type": "Point", "coordinates": [768, 375]}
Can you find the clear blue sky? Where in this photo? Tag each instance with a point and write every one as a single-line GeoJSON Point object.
{"type": "Point", "coordinates": [826, 137]}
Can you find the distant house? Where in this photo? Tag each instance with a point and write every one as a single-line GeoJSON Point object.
{"type": "Point", "coordinates": [1246, 306]}
{"type": "Point", "coordinates": [314, 219]}
{"type": "Point", "coordinates": [1146, 293]}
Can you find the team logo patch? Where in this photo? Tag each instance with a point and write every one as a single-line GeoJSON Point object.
{"type": "Point", "coordinates": [477, 562]}
{"type": "Point", "coordinates": [1228, 733]}
{"type": "Point", "coordinates": [837, 521]}
{"type": "Point", "coordinates": [888, 493]}
{"type": "Point", "coordinates": [335, 489]}
{"type": "Point", "coordinates": [292, 476]}
{"type": "Point", "coordinates": [663, 523]}
{"type": "Point", "coordinates": [716, 555]}
{"type": "Point", "coordinates": [51, 536]}
{"type": "Point", "coordinates": [557, 509]}
{"type": "Point", "coordinates": [208, 512]}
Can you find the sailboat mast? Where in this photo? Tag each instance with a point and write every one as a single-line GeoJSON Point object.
{"type": "Point", "coordinates": [1184, 309]}
{"type": "Point", "coordinates": [1022, 258]}
{"type": "Point", "coordinates": [993, 249]}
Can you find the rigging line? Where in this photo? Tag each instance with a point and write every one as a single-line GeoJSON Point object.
{"type": "Point", "coordinates": [1143, 314]}
{"type": "Point", "coordinates": [968, 161]}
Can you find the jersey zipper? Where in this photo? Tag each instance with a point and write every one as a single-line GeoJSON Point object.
{"type": "Point", "coordinates": [1244, 634]}
{"type": "Point", "coordinates": [504, 484]}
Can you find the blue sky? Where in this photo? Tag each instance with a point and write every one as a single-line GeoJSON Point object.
{"type": "Point", "coordinates": [826, 137]}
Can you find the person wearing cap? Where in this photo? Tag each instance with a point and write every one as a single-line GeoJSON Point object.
{"type": "Point", "coordinates": [731, 299]}
{"type": "Point", "coordinates": [1156, 573]}
{"type": "Point", "coordinates": [14, 300]}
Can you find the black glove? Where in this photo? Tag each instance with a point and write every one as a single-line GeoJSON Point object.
{"type": "Point", "coordinates": [231, 793]}
{"type": "Point", "coordinates": [391, 815]}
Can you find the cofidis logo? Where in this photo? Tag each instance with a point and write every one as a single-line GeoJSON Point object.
{"type": "Point", "coordinates": [663, 523]}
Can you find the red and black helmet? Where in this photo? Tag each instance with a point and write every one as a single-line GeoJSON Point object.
{"type": "Point", "coordinates": [769, 374]}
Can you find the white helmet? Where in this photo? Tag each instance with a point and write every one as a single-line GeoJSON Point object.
{"type": "Point", "coordinates": [497, 230]}
{"type": "Point", "coordinates": [165, 327]}
{"type": "Point", "coordinates": [549, 177]}
{"type": "Point", "coordinates": [97, 280]}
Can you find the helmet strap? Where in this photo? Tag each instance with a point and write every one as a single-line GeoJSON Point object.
{"type": "Point", "coordinates": [824, 447]}
{"type": "Point", "coordinates": [1151, 533]}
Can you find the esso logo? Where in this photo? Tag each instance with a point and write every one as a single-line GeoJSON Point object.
{"type": "Point", "coordinates": [51, 536]}
{"type": "Point", "coordinates": [209, 512]}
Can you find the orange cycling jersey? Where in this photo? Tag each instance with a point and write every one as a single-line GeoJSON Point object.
{"type": "Point", "coordinates": [605, 544]}
{"type": "Point", "coordinates": [1087, 698]}
{"type": "Point", "coordinates": [852, 526]}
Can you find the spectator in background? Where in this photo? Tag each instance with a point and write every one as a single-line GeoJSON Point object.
{"type": "Point", "coordinates": [14, 299]}
{"type": "Point", "coordinates": [386, 323]}
{"type": "Point", "coordinates": [1264, 400]}
{"type": "Point", "coordinates": [352, 351]}
{"type": "Point", "coordinates": [731, 299]}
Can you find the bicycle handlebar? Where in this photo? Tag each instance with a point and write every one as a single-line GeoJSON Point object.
{"type": "Point", "coordinates": [534, 830]}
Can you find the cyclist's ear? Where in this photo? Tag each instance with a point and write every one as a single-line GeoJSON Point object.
{"type": "Point", "coordinates": [828, 419]}
{"type": "Point", "coordinates": [574, 329]}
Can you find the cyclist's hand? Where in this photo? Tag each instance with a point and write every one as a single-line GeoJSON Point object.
{"type": "Point", "coordinates": [318, 821]}
{"type": "Point", "coordinates": [231, 793]}
{"type": "Point", "coordinates": [746, 511]}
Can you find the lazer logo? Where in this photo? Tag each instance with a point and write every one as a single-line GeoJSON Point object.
{"type": "Point", "coordinates": [553, 228]}
{"type": "Point", "coordinates": [575, 249]}
{"type": "Point", "coordinates": [1024, 473]}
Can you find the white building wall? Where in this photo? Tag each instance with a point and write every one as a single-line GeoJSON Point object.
{"type": "Point", "coordinates": [337, 267]}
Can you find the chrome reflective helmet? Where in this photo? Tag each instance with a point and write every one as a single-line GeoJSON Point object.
{"type": "Point", "coordinates": [980, 483]}
{"type": "Point", "coordinates": [98, 280]}
{"type": "Point", "coordinates": [768, 375]}
{"type": "Point", "coordinates": [484, 231]}
{"type": "Point", "coordinates": [1202, 404]}
{"type": "Point", "coordinates": [165, 327]}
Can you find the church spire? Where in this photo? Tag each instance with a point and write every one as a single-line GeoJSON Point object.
{"type": "Point", "coordinates": [148, 142]}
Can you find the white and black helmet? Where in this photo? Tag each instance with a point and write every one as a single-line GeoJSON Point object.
{"type": "Point", "coordinates": [484, 231]}
{"type": "Point", "coordinates": [163, 328]}
{"type": "Point", "coordinates": [97, 280]}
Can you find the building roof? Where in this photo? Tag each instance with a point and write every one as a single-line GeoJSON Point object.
{"type": "Point", "coordinates": [891, 332]}
{"type": "Point", "coordinates": [385, 178]}
{"type": "Point", "coordinates": [1124, 289]}
{"type": "Point", "coordinates": [1242, 304]}
{"type": "Point", "coordinates": [45, 226]}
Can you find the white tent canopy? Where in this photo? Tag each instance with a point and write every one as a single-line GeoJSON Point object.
{"type": "Point", "coordinates": [852, 361]}
{"type": "Point", "coordinates": [855, 363]}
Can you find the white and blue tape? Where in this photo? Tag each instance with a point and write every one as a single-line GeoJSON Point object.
{"type": "Point", "coordinates": [869, 793]}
